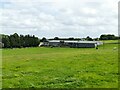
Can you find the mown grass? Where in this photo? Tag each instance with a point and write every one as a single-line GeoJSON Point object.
{"type": "Point", "coordinates": [61, 67]}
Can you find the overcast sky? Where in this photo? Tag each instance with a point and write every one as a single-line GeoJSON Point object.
{"type": "Point", "coordinates": [59, 18]}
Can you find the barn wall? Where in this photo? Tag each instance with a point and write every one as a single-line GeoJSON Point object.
{"type": "Point", "coordinates": [70, 44]}
{"type": "Point", "coordinates": [55, 44]}
{"type": "Point", "coordinates": [82, 45]}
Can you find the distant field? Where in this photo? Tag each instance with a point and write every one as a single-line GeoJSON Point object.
{"type": "Point", "coordinates": [110, 41]}
{"type": "Point", "coordinates": [61, 67]}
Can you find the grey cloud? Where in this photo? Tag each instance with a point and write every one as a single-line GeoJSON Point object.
{"type": "Point", "coordinates": [49, 20]}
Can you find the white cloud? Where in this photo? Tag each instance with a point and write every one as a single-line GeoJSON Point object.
{"type": "Point", "coordinates": [63, 18]}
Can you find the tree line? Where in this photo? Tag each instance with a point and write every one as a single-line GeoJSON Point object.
{"type": "Point", "coordinates": [108, 37]}
{"type": "Point", "coordinates": [71, 38]}
{"type": "Point", "coordinates": [88, 38]}
{"type": "Point", "coordinates": [19, 41]}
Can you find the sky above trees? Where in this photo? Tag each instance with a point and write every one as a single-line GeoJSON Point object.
{"type": "Point", "coordinates": [59, 18]}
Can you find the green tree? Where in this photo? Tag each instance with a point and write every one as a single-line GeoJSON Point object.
{"type": "Point", "coordinates": [15, 40]}
{"type": "Point", "coordinates": [108, 37]}
{"type": "Point", "coordinates": [6, 41]}
{"type": "Point", "coordinates": [89, 39]}
{"type": "Point", "coordinates": [43, 39]}
{"type": "Point", "coordinates": [56, 38]}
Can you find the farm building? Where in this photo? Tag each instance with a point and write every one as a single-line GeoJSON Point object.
{"type": "Point", "coordinates": [72, 44]}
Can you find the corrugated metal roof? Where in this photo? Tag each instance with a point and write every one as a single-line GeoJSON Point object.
{"type": "Point", "coordinates": [70, 41]}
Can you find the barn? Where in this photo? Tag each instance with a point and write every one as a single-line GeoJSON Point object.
{"type": "Point", "coordinates": [72, 44]}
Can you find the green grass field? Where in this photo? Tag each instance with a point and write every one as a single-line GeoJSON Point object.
{"type": "Point", "coordinates": [61, 67]}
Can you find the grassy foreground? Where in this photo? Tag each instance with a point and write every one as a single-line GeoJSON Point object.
{"type": "Point", "coordinates": [61, 67]}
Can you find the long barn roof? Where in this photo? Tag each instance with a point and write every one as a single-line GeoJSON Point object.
{"type": "Point", "coordinates": [70, 41]}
